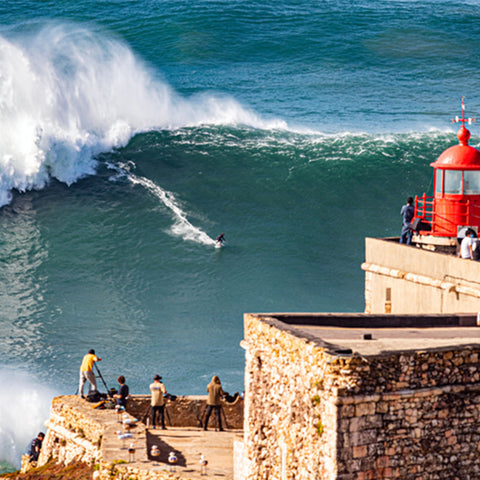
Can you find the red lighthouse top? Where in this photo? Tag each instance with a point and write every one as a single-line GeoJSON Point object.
{"type": "Point", "coordinates": [456, 193]}
{"type": "Point", "coordinates": [461, 156]}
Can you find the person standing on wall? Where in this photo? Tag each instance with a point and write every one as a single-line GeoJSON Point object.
{"type": "Point", "coordinates": [158, 390]}
{"type": "Point", "coordinates": [86, 372]}
{"type": "Point", "coordinates": [407, 211]}
{"type": "Point", "coordinates": [214, 401]}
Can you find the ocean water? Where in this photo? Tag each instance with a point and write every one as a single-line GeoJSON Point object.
{"type": "Point", "coordinates": [134, 132]}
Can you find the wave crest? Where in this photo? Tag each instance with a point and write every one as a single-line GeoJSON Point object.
{"type": "Point", "coordinates": [68, 93]}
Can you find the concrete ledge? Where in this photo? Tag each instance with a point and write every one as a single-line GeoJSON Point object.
{"type": "Point", "coordinates": [366, 320]}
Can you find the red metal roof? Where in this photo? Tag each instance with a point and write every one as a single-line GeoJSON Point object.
{"type": "Point", "coordinates": [459, 157]}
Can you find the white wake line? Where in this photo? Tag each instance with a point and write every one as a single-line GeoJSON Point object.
{"type": "Point", "coordinates": [182, 226]}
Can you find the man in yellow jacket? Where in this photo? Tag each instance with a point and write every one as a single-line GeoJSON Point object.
{"type": "Point", "coordinates": [86, 372]}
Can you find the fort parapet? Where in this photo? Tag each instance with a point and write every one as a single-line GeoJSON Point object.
{"type": "Point", "coordinates": [409, 279]}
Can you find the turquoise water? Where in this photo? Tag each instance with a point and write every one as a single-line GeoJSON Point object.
{"type": "Point", "coordinates": [134, 132]}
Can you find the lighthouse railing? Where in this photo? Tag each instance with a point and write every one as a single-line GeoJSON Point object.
{"type": "Point", "coordinates": [461, 212]}
{"type": "Point", "coordinates": [472, 214]}
{"type": "Point", "coordinates": [424, 208]}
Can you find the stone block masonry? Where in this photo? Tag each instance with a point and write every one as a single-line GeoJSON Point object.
{"type": "Point", "coordinates": [75, 431]}
{"type": "Point", "coordinates": [187, 411]}
{"type": "Point", "coordinates": [315, 409]}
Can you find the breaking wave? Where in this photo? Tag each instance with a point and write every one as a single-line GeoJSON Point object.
{"type": "Point", "coordinates": [69, 92]}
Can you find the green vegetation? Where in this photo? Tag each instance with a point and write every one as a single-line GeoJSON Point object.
{"type": "Point", "coordinates": [54, 471]}
{"type": "Point", "coordinates": [319, 427]}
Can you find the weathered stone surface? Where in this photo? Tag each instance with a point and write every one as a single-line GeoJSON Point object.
{"type": "Point", "coordinates": [310, 414]}
{"type": "Point", "coordinates": [187, 411]}
{"type": "Point", "coordinates": [78, 432]}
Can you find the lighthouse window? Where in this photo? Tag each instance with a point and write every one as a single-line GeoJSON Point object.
{"type": "Point", "coordinates": [438, 181]}
{"type": "Point", "coordinates": [471, 182]}
{"type": "Point", "coordinates": [453, 181]}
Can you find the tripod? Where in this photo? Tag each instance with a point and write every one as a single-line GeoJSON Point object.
{"type": "Point", "coordinates": [221, 415]}
{"type": "Point", "coordinates": [101, 377]}
{"type": "Point", "coordinates": [147, 416]}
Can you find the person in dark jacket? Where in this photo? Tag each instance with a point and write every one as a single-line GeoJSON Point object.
{"type": "Point", "coordinates": [122, 393]}
{"type": "Point", "coordinates": [407, 212]}
{"type": "Point", "coordinates": [35, 447]}
{"type": "Point", "coordinates": [214, 402]}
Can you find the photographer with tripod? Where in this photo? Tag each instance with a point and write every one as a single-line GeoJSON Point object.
{"type": "Point", "coordinates": [87, 374]}
{"type": "Point", "coordinates": [214, 402]}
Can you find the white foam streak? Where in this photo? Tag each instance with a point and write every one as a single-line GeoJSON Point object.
{"type": "Point", "coordinates": [24, 408]}
{"type": "Point", "coordinates": [68, 93]}
{"type": "Point", "coordinates": [182, 227]}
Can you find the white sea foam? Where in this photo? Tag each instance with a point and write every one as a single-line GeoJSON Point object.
{"type": "Point", "coordinates": [24, 408]}
{"type": "Point", "coordinates": [181, 227]}
{"type": "Point", "coordinates": [68, 93]}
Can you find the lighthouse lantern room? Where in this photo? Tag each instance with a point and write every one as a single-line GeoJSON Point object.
{"type": "Point", "coordinates": [455, 203]}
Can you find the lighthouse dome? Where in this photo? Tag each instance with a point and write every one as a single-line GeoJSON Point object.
{"type": "Point", "coordinates": [459, 157]}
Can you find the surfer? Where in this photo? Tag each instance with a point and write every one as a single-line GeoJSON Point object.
{"type": "Point", "coordinates": [221, 239]}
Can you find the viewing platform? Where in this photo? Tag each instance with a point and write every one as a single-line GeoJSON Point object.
{"type": "Point", "coordinates": [78, 431]}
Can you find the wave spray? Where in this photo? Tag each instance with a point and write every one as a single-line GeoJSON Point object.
{"type": "Point", "coordinates": [68, 93]}
{"type": "Point", "coordinates": [24, 408]}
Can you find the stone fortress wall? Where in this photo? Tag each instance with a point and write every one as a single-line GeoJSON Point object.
{"type": "Point", "coordinates": [315, 411]}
